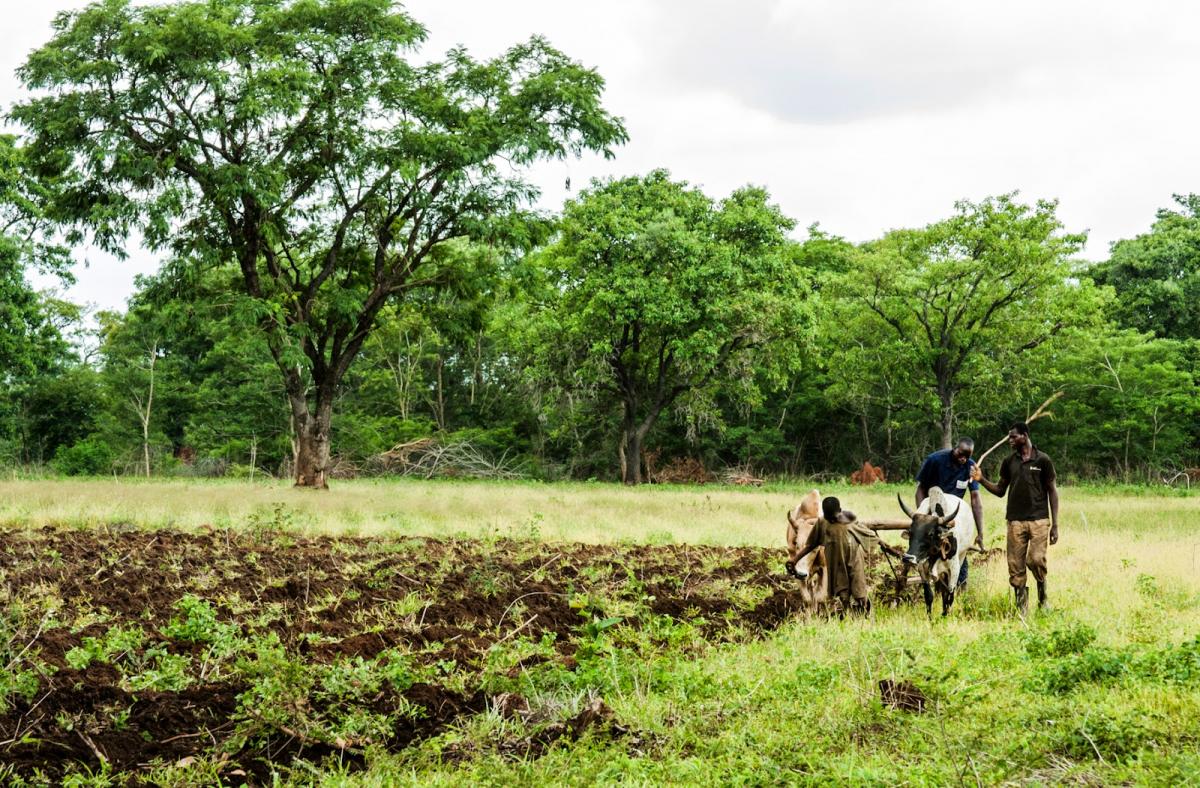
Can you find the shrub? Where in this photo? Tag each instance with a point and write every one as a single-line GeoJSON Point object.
{"type": "Point", "coordinates": [17, 683]}
{"type": "Point", "coordinates": [163, 671]}
{"type": "Point", "coordinates": [1072, 638]}
{"type": "Point", "coordinates": [197, 622]}
{"type": "Point", "coordinates": [1092, 665]}
{"type": "Point", "coordinates": [1114, 737]}
{"type": "Point", "coordinates": [1177, 664]}
{"type": "Point", "coordinates": [89, 457]}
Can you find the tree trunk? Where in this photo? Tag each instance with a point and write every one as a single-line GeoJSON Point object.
{"type": "Point", "coordinates": [145, 410]}
{"type": "Point", "coordinates": [632, 443]}
{"type": "Point", "coordinates": [312, 442]}
{"type": "Point", "coordinates": [947, 419]}
{"type": "Point", "coordinates": [1127, 436]}
{"type": "Point", "coordinates": [633, 457]}
{"type": "Point", "coordinates": [438, 403]}
{"type": "Point", "coordinates": [888, 458]}
{"type": "Point", "coordinates": [621, 458]}
{"type": "Point", "coordinates": [477, 366]}
{"type": "Point", "coordinates": [866, 432]}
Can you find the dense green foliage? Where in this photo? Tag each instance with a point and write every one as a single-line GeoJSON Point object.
{"type": "Point", "coordinates": [656, 299]}
{"type": "Point", "coordinates": [349, 267]}
{"type": "Point", "coordinates": [1157, 275]}
{"type": "Point", "coordinates": [32, 346]}
{"type": "Point", "coordinates": [298, 142]}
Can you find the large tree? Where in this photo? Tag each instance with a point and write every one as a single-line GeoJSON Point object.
{"type": "Point", "coordinates": [956, 304]}
{"type": "Point", "coordinates": [29, 336]}
{"type": "Point", "coordinates": [301, 141]}
{"type": "Point", "coordinates": [1157, 274]}
{"type": "Point", "coordinates": [661, 298]}
{"type": "Point", "coordinates": [32, 323]}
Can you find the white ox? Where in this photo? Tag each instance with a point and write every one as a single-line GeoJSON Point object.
{"type": "Point", "coordinates": [942, 531]}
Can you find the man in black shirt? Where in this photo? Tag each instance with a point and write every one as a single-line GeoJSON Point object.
{"type": "Point", "coordinates": [1029, 479]}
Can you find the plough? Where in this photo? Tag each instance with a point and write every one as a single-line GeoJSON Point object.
{"type": "Point", "coordinates": [901, 578]}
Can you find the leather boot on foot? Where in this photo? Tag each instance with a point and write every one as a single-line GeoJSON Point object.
{"type": "Point", "coordinates": [1042, 601]}
{"type": "Point", "coordinates": [1022, 597]}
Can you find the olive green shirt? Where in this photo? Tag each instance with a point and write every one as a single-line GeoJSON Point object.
{"type": "Point", "coordinates": [1028, 481]}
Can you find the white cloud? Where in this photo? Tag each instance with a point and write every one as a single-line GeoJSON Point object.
{"type": "Point", "coordinates": [840, 60]}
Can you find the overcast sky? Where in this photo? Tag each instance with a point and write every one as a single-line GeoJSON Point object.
{"type": "Point", "coordinates": [862, 116]}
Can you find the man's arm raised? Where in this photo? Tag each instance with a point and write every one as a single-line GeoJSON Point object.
{"type": "Point", "coordinates": [995, 489]}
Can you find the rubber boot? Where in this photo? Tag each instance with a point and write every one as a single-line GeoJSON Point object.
{"type": "Point", "coordinates": [1042, 594]}
{"type": "Point", "coordinates": [1022, 596]}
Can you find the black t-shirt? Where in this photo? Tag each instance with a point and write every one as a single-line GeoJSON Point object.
{"type": "Point", "coordinates": [1027, 484]}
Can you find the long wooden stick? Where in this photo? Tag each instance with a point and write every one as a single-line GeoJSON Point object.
{"type": "Point", "coordinates": [1037, 414]}
{"type": "Point", "coordinates": [885, 525]}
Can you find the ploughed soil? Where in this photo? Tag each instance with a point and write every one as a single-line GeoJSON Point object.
{"type": "Point", "coordinates": [463, 614]}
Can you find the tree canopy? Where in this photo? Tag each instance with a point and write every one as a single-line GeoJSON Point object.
{"type": "Point", "coordinates": [351, 269]}
{"type": "Point", "coordinates": [300, 141]}
{"type": "Point", "coordinates": [1157, 274]}
{"type": "Point", "coordinates": [952, 307]}
{"type": "Point", "coordinates": [659, 297]}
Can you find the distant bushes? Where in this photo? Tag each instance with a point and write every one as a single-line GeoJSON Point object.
{"type": "Point", "coordinates": [91, 456]}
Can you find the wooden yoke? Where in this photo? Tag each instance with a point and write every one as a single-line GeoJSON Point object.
{"type": "Point", "coordinates": [886, 525]}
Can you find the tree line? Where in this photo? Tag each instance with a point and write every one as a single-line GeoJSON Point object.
{"type": "Point", "coordinates": [350, 264]}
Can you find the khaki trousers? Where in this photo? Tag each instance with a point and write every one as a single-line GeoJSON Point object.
{"type": "Point", "coordinates": [1027, 541]}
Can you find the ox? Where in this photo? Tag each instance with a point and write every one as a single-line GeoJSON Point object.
{"type": "Point", "coordinates": [937, 543]}
{"type": "Point", "coordinates": [810, 569]}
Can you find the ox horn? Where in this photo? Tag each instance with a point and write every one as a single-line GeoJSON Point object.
{"type": "Point", "coordinates": [949, 517]}
{"type": "Point", "coordinates": [903, 507]}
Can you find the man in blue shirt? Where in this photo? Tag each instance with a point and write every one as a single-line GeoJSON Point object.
{"type": "Point", "coordinates": [950, 469]}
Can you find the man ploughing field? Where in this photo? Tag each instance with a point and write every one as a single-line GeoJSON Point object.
{"type": "Point", "coordinates": [845, 542]}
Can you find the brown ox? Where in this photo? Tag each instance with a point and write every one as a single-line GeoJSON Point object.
{"type": "Point", "coordinates": [812, 567]}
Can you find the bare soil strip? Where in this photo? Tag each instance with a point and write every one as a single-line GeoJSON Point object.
{"type": "Point", "coordinates": [442, 605]}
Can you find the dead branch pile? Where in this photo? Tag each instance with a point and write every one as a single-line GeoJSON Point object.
{"type": "Point", "coordinates": [681, 470]}
{"type": "Point", "coordinates": [400, 456]}
{"type": "Point", "coordinates": [1187, 477]}
{"type": "Point", "coordinates": [343, 468]}
{"type": "Point", "coordinates": [429, 457]}
{"type": "Point", "coordinates": [741, 476]}
{"type": "Point", "coordinates": [868, 474]}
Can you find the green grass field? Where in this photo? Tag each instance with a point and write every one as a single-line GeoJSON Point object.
{"type": "Point", "coordinates": [1102, 689]}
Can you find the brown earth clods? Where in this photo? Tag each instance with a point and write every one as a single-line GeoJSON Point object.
{"type": "Point", "coordinates": [902, 695]}
{"type": "Point", "coordinates": [329, 599]}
